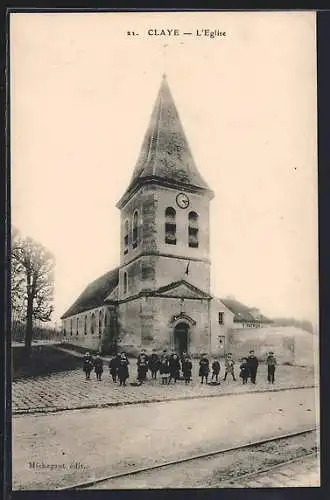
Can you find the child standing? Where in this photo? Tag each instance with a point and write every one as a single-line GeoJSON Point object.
{"type": "Point", "coordinates": [164, 368]}
{"type": "Point", "coordinates": [271, 365]}
{"type": "Point", "coordinates": [88, 364]}
{"type": "Point", "coordinates": [142, 366]}
{"type": "Point", "coordinates": [174, 366]}
{"type": "Point", "coordinates": [154, 364]}
{"type": "Point", "coordinates": [186, 369]}
{"type": "Point", "coordinates": [229, 366]}
{"type": "Point", "coordinates": [244, 373]}
{"type": "Point", "coordinates": [215, 370]}
{"type": "Point", "coordinates": [123, 369]}
{"type": "Point", "coordinates": [113, 367]}
{"type": "Point", "coordinates": [98, 367]}
{"type": "Point", "coordinates": [204, 368]}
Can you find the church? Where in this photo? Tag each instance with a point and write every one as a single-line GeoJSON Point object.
{"type": "Point", "coordinates": [159, 297]}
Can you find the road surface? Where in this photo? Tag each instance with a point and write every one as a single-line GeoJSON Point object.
{"type": "Point", "coordinates": [59, 449]}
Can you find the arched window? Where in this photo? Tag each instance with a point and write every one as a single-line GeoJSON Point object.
{"type": "Point", "coordinates": [135, 229]}
{"type": "Point", "coordinates": [77, 332]}
{"type": "Point", "coordinates": [105, 319]}
{"type": "Point", "coordinates": [125, 283]}
{"type": "Point", "coordinates": [85, 325]}
{"type": "Point", "coordinates": [193, 230]}
{"type": "Point", "coordinates": [70, 326]}
{"type": "Point", "coordinates": [100, 323]}
{"type": "Point", "coordinates": [93, 324]}
{"type": "Point", "coordinates": [170, 226]}
{"type": "Point", "coordinates": [126, 237]}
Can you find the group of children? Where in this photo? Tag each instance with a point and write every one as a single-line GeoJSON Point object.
{"type": "Point", "coordinates": [170, 367]}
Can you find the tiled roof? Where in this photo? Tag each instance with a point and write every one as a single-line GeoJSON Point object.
{"type": "Point", "coordinates": [95, 293]}
{"type": "Point", "coordinates": [242, 312]}
{"type": "Point", "coordinates": [165, 153]}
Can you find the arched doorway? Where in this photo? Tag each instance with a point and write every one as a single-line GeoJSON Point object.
{"type": "Point", "coordinates": [181, 338]}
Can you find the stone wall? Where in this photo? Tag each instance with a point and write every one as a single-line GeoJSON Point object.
{"type": "Point", "coordinates": [149, 272]}
{"type": "Point", "coordinates": [130, 325]}
{"type": "Point", "coordinates": [144, 203]}
{"type": "Point", "coordinates": [86, 329]}
{"type": "Point", "coordinates": [290, 345]}
{"type": "Point", "coordinates": [174, 269]}
{"type": "Point", "coordinates": [148, 322]}
{"type": "Point", "coordinates": [220, 331]}
{"type": "Point", "coordinates": [199, 203]}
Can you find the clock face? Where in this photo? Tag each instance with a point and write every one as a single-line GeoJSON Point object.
{"type": "Point", "coordinates": [182, 200]}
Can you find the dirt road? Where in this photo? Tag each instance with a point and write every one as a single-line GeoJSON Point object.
{"type": "Point", "coordinates": [55, 450]}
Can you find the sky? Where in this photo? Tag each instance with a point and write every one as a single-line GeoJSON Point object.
{"type": "Point", "coordinates": [82, 92]}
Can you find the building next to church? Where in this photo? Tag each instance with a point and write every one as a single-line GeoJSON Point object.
{"type": "Point", "coordinates": [159, 296]}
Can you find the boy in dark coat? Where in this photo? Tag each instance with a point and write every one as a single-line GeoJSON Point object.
{"type": "Point", "coordinates": [123, 369]}
{"type": "Point", "coordinates": [174, 367]}
{"type": "Point", "coordinates": [142, 364]}
{"type": "Point", "coordinates": [186, 369]}
{"type": "Point", "coordinates": [98, 367]}
{"type": "Point", "coordinates": [204, 368]}
{"type": "Point", "coordinates": [164, 368]}
{"type": "Point", "coordinates": [154, 364]}
{"type": "Point", "coordinates": [244, 373]}
{"type": "Point", "coordinates": [271, 365]}
{"type": "Point", "coordinates": [229, 366]}
{"type": "Point", "coordinates": [113, 367]}
{"type": "Point", "coordinates": [88, 365]}
{"type": "Point", "coordinates": [253, 363]}
{"type": "Point", "coordinates": [215, 370]}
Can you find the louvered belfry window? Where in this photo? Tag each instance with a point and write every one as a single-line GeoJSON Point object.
{"type": "Point", "coordinates": [193, 229]}
{"type": "Point", "coordinates": [93, 324]}
{"type": "Point", "coordinates": [170, 226]}
{"type": "Point", "coordinates": [100, 322]}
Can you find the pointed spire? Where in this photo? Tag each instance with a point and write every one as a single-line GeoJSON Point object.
{"type": "Point", "coordinates": [165, 154]}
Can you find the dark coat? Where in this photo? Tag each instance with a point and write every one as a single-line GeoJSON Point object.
{"type": "Point", "coordinates": [186, 368]}
{"type": "Point", "coordinates": [271, 361]}
{"type": "Point", "coordinates": [114, 365]}
{"type": "Point", "coordinates": [154, 362]}
{"type": "Point", "coordinates": [142, 360]}
{"type": "Point", "coordinates": [88, 363]}
{"type": "Point", "coordinates": [244, 370]}
{"type": "Point", "coordinates": [164, 368]}
{"type": "Point", "coordinates": [204, 367]}
{"type": "Point", "coordinates": [216, 367]}
{"type": "Point", "coordinates": [98, 365]}
{"type": "Point", "coordinates": [252, 363]}
{"type": "Point", "coordinates": [174, 366]}
{"type": "Point", "coordinates": [123, 369]}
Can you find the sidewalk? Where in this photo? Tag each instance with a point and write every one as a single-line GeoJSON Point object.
{"type": "Point", "coordinates": [69, 390]}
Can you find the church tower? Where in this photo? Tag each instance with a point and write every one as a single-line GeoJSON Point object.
{"type": "Point", "coordinates": [164, 241]}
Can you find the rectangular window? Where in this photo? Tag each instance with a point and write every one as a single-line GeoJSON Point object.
{"type": "Point", "coordinates": [220, 318]}
{"type": "Point", "coordinates": [126, 244]}
{"type": "Point", "coordinates": [170, 233]}
{"type": "Point", "coordinates": [135, 235]}
{"type": "Point", "coordinates": [193, 237]}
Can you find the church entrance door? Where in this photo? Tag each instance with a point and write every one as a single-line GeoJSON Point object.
{"type": "Point", "coordinates": [181, 338]}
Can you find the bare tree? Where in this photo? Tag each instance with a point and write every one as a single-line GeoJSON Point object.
{"type": "Point", "coordinates": [32, 282]}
